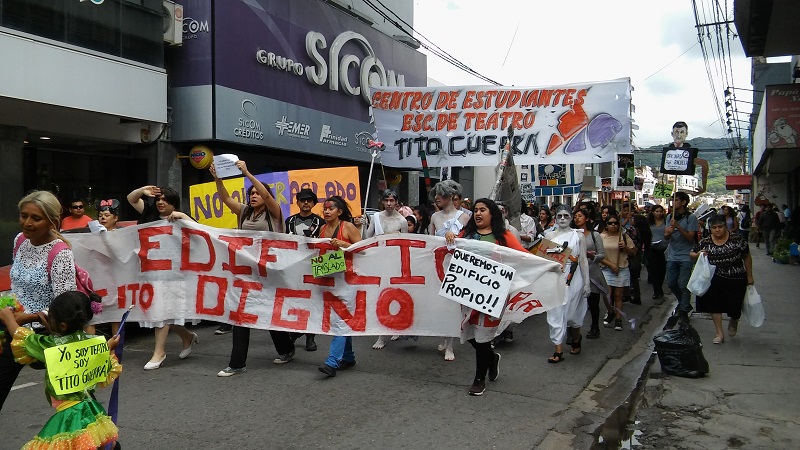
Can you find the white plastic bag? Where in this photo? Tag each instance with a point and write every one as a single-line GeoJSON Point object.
{"type": "Point", "coordinates": [752, 308]}
{"type": "Point", "coordinates": [701, 277]}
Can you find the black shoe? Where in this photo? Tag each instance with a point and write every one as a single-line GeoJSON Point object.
{"type": "Point", "coordinates": [494, 369]}
{"type": "Point", "coordinates": [224, 328]}
{"type": "Point", "coordinates": [609, 319]}
{"type": "Point", "coordinates": [594, 332]}
{"type": "Point", "coordinates": [327, 370]}
{"type": "Point", "coordinates": [508, 337]}
{"type": "Point", "coordinates": [311, 346]}
{"type": "Point", "coordinates": [478, 388]}
{"type": "Point", "coordinates": [618, 324]}
{"type": "Point", "coordinates": [344, 365]}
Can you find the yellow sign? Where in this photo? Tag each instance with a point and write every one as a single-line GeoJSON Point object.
{"type": "Point", "coordinates": [328, 264]}
{"type": "Point", "coordinates": [78, 365]}
{"type": "Point", "coordinates": [208, 209]}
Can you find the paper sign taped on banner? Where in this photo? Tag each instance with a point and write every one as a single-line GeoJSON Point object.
{"type": "Point", "coordinates": [225, 165]}
{"type": "Point", "coordinates": [328, 264]}
{"type": "Point", "coordinates": [76, 366]}
{"type": "Point", "coordinates": [477, 282]}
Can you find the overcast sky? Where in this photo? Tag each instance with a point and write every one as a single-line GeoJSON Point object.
{"type": "Point", "coordinates": [568, 41]}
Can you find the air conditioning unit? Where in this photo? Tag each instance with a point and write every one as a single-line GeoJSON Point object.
{"type": "Point", "coordinates": [173, 23]}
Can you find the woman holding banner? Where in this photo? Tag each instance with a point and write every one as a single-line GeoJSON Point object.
{"type": "Point", "coordinates": [485, 224]}
{"type": "Point", "coordinates": [165, 207]}
{"type": "Point", "coordinates": [261, 213]}
{"type": "Point", "coordinates": [570, 315]}
{"type": "Point", "coordinates": [342, 233]}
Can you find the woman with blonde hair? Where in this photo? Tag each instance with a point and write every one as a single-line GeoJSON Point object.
{"type": "Point", "coordinates": [37, 277]}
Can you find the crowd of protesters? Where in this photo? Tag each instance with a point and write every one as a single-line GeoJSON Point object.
{"type": "Point", "coordinates": [609, 245]}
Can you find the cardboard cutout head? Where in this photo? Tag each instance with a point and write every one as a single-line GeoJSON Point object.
{"type": "Point", "coordinates": [680, 131]}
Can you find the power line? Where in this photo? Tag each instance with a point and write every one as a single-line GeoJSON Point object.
{"type": "Point", "coordinates": [430, 45]}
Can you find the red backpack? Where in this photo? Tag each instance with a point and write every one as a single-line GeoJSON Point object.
{"type": "Point", "coordinates": [82, 279]}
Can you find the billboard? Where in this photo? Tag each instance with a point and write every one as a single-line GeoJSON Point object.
{"type": "Point", "coordinates": [783, 115]}
{"type": "Point", "coordinates": [289, 75]}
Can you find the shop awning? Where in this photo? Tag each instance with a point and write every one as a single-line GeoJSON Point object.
{"type": "Point", "coordinates": [733, 182]}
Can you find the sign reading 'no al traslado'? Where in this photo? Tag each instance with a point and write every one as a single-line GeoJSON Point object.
{"type": "Point", "coordinates": [477, 282]}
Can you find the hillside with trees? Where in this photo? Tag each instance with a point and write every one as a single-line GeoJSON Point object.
{"type": "Point", "coordinates": [718, 163]}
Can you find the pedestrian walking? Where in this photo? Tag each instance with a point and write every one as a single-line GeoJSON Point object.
{"type": "Point", "coordinates": [595, 253]}
{"type": "Point", "coordinates": [615, 267]}
{"type": "Point", "coordinates": [657, 264]}
{"type": "Point", "coordinates": [486, 224]}
{"type": "Point", "coordinates": [36, 276]}
{"type": "Point", "coordinates": [342, 233]}
{"type": "Point", "coordinates": [163, 203]}
{"type": "Point", "coordinates": [261, 213]}
{"type": "Point", "coordinates": [734, 272]}
{"type": "Point", "coordinates": [681, 233]}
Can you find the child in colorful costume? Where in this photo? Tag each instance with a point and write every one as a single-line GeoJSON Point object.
{"type": "Point", "coordinates": [80, 422]}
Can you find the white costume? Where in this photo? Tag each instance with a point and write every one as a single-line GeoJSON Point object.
{"type": "Point", "coordinates": [572, 312]}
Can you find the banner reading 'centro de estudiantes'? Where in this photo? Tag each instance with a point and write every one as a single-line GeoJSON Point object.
{"type": "Point", "coordinates": [185, 270]}
{"type": "Point", "coordinates": [465, 125]}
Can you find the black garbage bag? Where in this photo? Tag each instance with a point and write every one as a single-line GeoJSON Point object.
{"type": "Point", "coordinates": [680, 351]}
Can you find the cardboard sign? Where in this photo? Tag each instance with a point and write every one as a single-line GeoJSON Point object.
{"type": "Point", "coordinates": [626, 173]}
{"type": "Point", "coordinates": [678, 161]}
{"type": "Point", "coordinates": [328, 264]}
{"type": "Point", "coordinates": [225, 165]}
{"type": "Point", "coordinates": [76, 366]}
{"type": "Point", "coordinates": [662, 190]}
{"type": "Point", "coordinates": [477, 282]}
{"type": "Point", "coordinates": [541, 250]}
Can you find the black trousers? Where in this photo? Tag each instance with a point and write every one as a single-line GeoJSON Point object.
{"type": "Point", "coordinates": [635, 266]}
{"type": "Point", "coordinates": [657, 269]}
{"type": "Point", "coordinates": [483, 358]}
{"type": "Point", "coordinates": [594, 308]}
{"type": "Point", "coordinates": [241, 344]}
{"type": "Point", "coordinates": [9, 371]}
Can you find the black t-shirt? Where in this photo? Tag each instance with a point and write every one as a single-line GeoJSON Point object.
{"type": "Point", "coordinates": [308, 226]}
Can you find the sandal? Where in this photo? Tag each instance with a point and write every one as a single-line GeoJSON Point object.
{"type": "Point", "coordinates": [576, 346]}
{"type": "Point", "coordinates": [556, 358]}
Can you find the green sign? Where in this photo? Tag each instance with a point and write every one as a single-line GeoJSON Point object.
{"type": "Point", "coordinates": [662, 190]}
{"type": "Point", "coordinates": [76, 366]}
{"type": "Point", "coordinates": [328, 264]}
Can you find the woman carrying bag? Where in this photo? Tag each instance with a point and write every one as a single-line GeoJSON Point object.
{"type": "Point", "coordinates": [734, 272]}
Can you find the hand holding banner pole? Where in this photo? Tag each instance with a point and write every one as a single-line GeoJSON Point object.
{"type": "Point", "coordinates": [503, 163]}
{"type": "Point", "coordinates": [376, 147]}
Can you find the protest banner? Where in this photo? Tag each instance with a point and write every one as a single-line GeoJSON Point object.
{"type": "Point", "coordinates": [207, 208]}
{"type": "Point", "coordinates": [465, 125]}
{"type": "Point", "coordinates": [76, 366]}
{"type": "Point", "coordinates": [185, 270]}
{"type": "Point", "coordinates": [477, 282]}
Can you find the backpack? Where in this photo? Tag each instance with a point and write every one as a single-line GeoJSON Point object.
{"type": "Point", "coordinates": [82, 279]}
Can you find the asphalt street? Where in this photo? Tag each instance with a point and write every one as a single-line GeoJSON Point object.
{"type": "Point", "coordinates": [404, 396]}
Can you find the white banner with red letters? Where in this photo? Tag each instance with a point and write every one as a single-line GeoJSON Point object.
{"type": "Point", "coordinates": [466, 125]}
{"type": "Point", "coordinates": [185, 270]}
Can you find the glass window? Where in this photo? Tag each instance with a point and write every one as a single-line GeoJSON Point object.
{"type": "Point", "coordinates": [130, 29]}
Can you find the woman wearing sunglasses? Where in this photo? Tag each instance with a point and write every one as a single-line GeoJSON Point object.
{"type": "Point", "coordinates": [615, 267]}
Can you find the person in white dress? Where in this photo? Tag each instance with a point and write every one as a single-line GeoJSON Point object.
{"type": "Point", "coordinates": [447, 222]}
{"type": "Point", "coordinates": [569, 316]}
{"type": "Point", "coordinates": [386, 222]}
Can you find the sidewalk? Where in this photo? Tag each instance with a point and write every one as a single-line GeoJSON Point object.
{"type": "Point", "coordinates": [750, 398]}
